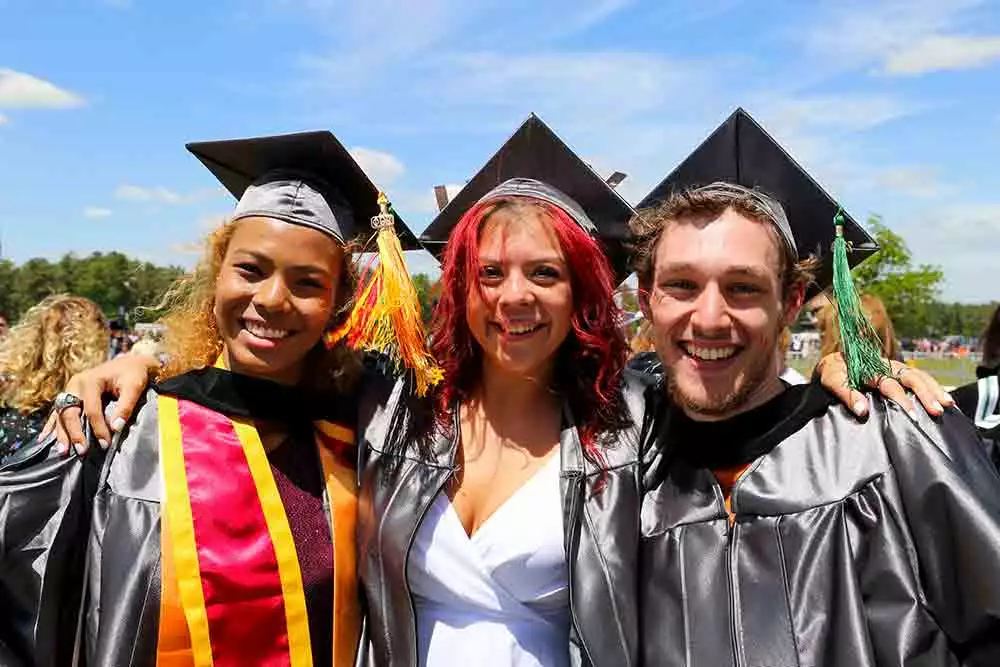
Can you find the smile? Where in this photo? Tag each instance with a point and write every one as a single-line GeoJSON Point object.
{"type": "Point", "coordinates": [709, 353]}
{"type": "Point", "coordinates": [518, 330]}
{"type": "Point", "coordinates": [267, 333]}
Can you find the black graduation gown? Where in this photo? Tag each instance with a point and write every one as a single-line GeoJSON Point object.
{"type": "Point", "coordinates": [853, 544]}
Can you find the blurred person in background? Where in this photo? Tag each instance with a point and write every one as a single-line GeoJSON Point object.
{"type": "Point", "coordinates": [980, 400]}
{"type": "Point", "coordinates": [876, 313]}
{"type": "Point", "coordinates": [57, 338]}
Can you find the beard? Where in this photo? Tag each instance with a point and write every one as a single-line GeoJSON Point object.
{"type": "Point", "coordinates": [759, 370]}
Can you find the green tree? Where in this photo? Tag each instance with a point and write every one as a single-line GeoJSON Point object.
{"type": "Point", "coordinates": [909, 292]}
{"type": "Point", "coordinates": [427, 292]}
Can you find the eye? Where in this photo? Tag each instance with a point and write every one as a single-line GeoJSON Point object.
{"type": "Point", "coordinates": [678, 284]}
{"type": "Point", "coordinates": [311, 282]}
{"type": "Point", "coordinates": [548, 272]}
{"type": "Point", "coordinates": [490, 273]}
{"type": "Point", "coordinates": [249, 269]}
{"type": "Point", "coordinates": [745, 289]}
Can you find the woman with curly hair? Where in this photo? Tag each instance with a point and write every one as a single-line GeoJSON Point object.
{"type": "Point", "coordinates": [55, 339]}
{"type": "Point", "coordinates": [220, 526]}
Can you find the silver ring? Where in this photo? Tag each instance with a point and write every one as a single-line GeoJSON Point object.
{"type": "Point", "coordinates": [64, 400]}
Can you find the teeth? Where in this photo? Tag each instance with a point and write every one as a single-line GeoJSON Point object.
{"type": "Point", "coordinates": [261, 331]}
{"type": "Point", "coordinates": [523, 329]}
{"type": "Point", "coordinates": [709, 353]}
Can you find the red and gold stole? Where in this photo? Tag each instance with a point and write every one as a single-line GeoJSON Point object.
{"type": "Point", "coordinates": [232, 590]}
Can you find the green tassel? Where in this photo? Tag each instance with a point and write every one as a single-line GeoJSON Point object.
{"type": "Point", "coordinates": [859, 343]}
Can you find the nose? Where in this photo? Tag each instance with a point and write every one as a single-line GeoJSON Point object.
{"type": "Point", "coordinates": [515, 290]}
{"type": "Point", "coordinates": [711, 312]}
{"type": "Point", "coordinates": [271, 295]}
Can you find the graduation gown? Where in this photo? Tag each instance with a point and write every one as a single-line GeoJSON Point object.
{"type": "Point", "coordinates": [86, 538]}
{"type": "Point", "coordinates": [851, 544]}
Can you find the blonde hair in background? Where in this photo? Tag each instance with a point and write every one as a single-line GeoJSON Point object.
{"type": "Point", "coordinates": [57, 338]}
{"type": "Point", "coordinates": [192, 339]}
{"type": "Point", "coordinates": [876, 313]}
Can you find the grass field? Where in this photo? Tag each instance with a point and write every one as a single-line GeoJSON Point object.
{"type": "Point", "coordinates": [949, 372]}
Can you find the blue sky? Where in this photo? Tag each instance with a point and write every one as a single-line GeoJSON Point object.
{"type": "Point", "coordinates": [893, 105]}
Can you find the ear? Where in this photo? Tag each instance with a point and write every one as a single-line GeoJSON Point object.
{"type": "Point", "coordinates": [793, 303]}
{"type": "Point", "coordinates": [644, 303]}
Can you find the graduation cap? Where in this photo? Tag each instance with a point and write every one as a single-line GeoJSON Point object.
{"type": "Point", "coordinates": [741, 153]}
{"type": "Point", "coordinates": [534, 162]}
{"type": "Point", "coordinates": [307, 178]}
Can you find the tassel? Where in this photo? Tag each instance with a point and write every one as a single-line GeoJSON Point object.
{"type": "Point", "coordinates": [859, 342]}
{"type": "Point", "coordinates": [386, 317]}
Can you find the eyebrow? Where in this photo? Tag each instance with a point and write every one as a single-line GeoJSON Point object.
{"type": "Point", "coordinates": [749, 270]}
{"type": "Point", "coordinates": [553, 259]}
{"type": "Point", "coordinates": [301, 268]}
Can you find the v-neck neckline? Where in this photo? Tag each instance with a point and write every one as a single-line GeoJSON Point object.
{"type": "Point", "coordinates": [473, 538]}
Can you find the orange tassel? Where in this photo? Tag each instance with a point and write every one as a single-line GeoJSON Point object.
{"type": "Point", "coordinates": [386, 317]}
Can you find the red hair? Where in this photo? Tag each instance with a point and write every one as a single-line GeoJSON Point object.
{"type": "Point", "coordinates": [590, 362]}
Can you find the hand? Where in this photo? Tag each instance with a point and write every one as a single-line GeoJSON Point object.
{"type": "Point", "coordinates": [125, 378]}
{"type": "Point", "coordinates": [833, 374]}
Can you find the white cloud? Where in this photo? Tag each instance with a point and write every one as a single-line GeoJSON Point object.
{"type": "Point", "coordinates": [3, 120]}
{"type": "Point", "coordinates": [847, 112]}
{"type": "Point", "coordinates": [96, 212]}
{"type": "Point", "coordinates": [162, 195]}
{"type": "Point", "coordinates": [382, 168]}
{"type": "Point", "coordinates": [23, 91]}
{"type": "Point", "coordinates": [943, 52]}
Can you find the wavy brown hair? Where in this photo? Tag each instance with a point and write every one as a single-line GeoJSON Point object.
{"type": "Point", "coordinates": [192, 337]}
{"type": "Point", "coordinates": [57, 338]}
{"type": "Point", "coordinates": [875, 311]}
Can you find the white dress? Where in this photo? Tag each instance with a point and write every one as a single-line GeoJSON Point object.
{"type": "Point", "coordinates": [501, 597]}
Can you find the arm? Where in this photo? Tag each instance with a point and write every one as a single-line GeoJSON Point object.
{"type": "Point", "coordinates": [124, 378]}
{"type": "Point", "coordinates": [950, 496]}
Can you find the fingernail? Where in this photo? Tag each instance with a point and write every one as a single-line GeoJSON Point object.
{"type": "Point", "coordinates": [937, 407]}
{"type": "Point", "coordinates": [861, 408]}
{"type": "Point", "coordinates": [62, 449]}
{"type": "Point", "coordinates": [949, 399]}
{"type": "Point", "coordinates": [103, 443]}
{"type": "Point", "coordinates": [118, 424]}
{"type": "Point", "coordinates": [78, 446]}
{"type": "Point", "coordinates": [41, 436]}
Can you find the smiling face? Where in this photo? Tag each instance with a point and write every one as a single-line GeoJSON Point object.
{"type": "Point", "coordinates": [717, 310]}
{"type": "Point", "coordinates": [522, 310]}
{"type": "Point", "coordinates": [275, 295]}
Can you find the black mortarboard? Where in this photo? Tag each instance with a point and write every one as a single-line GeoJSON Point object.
{"type": "Point", "coordinates": [741, 153]}
{"type": "Point", "coordinates": [307, 178]}
{"type": "Point", "coordinates": [534, 162]}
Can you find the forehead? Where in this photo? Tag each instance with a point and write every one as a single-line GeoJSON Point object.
{"type": "Point", "coordinates": [286, 243]}
{"type": "Point", "coordinates": [714, 243]}
{"type": "Point", "coordinates": [522, 230]}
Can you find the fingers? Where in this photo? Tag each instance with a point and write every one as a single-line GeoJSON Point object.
{"type": "Point", "coordinates": [130, 390]}
{"type": "Point", "coordinates": [70, 431]}
{"type": "Point", "coordinates": [927, 390]}
{"type": "Point", "coordinates": [894, 391]}
{"type": "Point", "coordinates": [833, 374]}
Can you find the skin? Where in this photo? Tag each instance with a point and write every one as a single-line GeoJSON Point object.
{"type": "Point", "coordinates": [511, 426]}
{"type": "Point", "coordinates": [716, 289]}
{"type": "Point", "coordinates": [276, 277]}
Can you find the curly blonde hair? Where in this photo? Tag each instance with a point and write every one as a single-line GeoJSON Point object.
{"type": "Point", "coordinates": [57, 338]}
{"type": "Point", "coordinates": [192, 338]}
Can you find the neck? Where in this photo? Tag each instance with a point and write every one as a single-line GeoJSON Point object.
{"type": "Point", "coordinates": [289, 377]}
{"type": "Point", "coordinates": [757, 397]}
{"type": "Point", "coordinates": [513, 395]}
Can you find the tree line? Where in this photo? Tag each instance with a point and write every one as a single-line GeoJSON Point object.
{"type": "Point", "coordinates": [114, 281]}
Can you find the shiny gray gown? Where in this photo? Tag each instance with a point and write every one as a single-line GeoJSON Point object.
{"type": "Point", "coordinates": [853, 544]}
